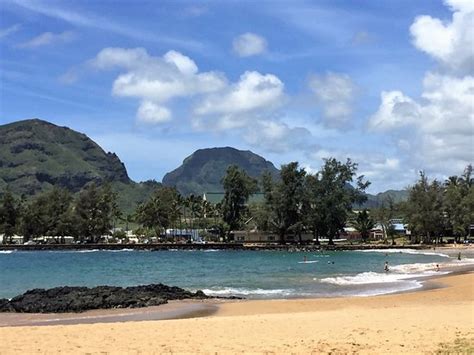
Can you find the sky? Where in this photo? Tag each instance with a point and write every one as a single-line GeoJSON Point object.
{"type": "Point", "coordinates": [389, 84]}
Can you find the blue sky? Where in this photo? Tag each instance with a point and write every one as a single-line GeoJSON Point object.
{"type": "Point", "coordinates": [387, 83]}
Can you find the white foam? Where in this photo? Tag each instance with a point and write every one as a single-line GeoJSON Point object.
{"type": "Point", "coordinates": [367, 278]}
{"type": "Point", "coordinates": [403, 251]}
{"type": "Point", "coordinates": [6, 251]}
{"type": "Point", "coordinates": [308, 262]}
{"type": "Point", "coordinates": [225, 291]}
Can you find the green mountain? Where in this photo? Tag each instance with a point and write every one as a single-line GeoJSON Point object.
{"type": "Point", "coordinates": [36, 155]}
{"type": "Point", "coordinates": [374, 201]}
{"type": "Point", "coordinates": [203, 170]}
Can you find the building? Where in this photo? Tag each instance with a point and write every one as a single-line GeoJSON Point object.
{"type": "Point", "coordinates": [262, 237]}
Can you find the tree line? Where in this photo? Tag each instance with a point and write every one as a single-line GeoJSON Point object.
{"type": "Point", "coordinates": [295, 203]}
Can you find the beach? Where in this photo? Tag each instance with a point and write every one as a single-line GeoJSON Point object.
{"type": "Point", "coordinates": [438, 318]}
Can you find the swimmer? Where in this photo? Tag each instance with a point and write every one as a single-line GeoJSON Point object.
{"type": "Point", "coordinates": [386, 267]}
{"type": "Point", "coordinates": [305, 259]}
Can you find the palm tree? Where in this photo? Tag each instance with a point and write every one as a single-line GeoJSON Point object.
{"type": "Point", "coordinates": [363, 223]}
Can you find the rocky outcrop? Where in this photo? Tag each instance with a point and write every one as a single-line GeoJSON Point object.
{"type": "Point", "coordinates": [79, 299]}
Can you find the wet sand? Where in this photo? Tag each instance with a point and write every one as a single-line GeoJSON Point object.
{"type": "Point", "coordinates": [172, 310]}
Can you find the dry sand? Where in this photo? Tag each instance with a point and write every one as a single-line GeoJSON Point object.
{"type": "Point", "coordinates": [419, 322]}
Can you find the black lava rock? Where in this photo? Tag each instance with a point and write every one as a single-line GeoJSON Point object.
{"type": "Point", "coordinates": [79, 299]}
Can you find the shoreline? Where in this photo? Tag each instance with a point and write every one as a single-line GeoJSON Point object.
{"type": "Point", "coordinates": [222, 246]}
{"type": "Point", "coordinates": [182, 309]}
{"type": "Point", "coordinates": [188, 308]}
{"type": "Point", "coordinates": [439, 319]}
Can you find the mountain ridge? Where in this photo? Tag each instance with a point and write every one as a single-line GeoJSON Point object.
{"type": "Point", "coordinates": [36, 155]}
{"type": "Point", "coordinates": [203, 170]}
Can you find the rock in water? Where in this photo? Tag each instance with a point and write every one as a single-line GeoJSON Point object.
{"type": "Point", "coordinates": [79, 299]}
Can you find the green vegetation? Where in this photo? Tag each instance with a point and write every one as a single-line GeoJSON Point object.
{"type": "Point", "coordinates": [435, 209]}
{"type": "Point", "coordinates": [58, 182]}
{"type": "Point", "coordinates": [295, 203]}
{"type": "Point", "coordinates": [56, 214]}
{"type": "Point", "coordinates": [204, 170]}
{"type": "Point", "coordinates": [238, 187]}
{"type": "Point", "coordinates": [36, 156]}
{"type": "Point", "coordinates": [363, 223]}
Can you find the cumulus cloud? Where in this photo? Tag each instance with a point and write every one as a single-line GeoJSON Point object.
{"type": "Point", "coordinates": [249, 44]}
{"type": "Point", "coordinates": [48, 38]}
{"type": "Point", "coordinates": [253, 91]}
{"type": "Point", "coordinates": [335, 93]}
{"type": "Point", "coordinates": [277, 136]}
{"type": "Point", "coordinates": [149, 112]}
{"type": "Point", "coordinates": [396, 110]}
{"type": "Point", "coordinates": [155, 81]}
{"type": "Point", "coordinates": [254, 95]}
{"type": "Point", "coordinates": [440, 126]}
{"type": "Point", "coordinates": [436, 131]}
{"type": "Point", "coordinates": [451, 43]}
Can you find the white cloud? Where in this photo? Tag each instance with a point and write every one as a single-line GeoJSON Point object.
{"type": "Point", "coordinates": [436, 131]}
{"type": "Point", "coordinates": [439, 128]}
{"type": "Point", "coordinates": [48, 38]}
{"type": "Point", "coordinates": [277, 136]}
{"type": "Point", "coordinates": [451, 43]}
{"type": "Point", "coordinates": [396, 110]}
{"type": "Point", "coordinates": [90, 20]}
{"type": "Point", "coordinates": [249, 44]}
{"type": "Point", "coordinates": [253, 96]}
{"type": "Point", "coordinates": [156, 80]}
{"type": "Point", "coordinates": [149, 112]}
{"type": "Point", "coordinates": [9, 30]}
{"type": "Point", "coordinates": [335, 93]}
{"type": "Point", "coordinates": [253, 91]}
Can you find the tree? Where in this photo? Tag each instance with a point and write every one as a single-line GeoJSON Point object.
{"type": "Point", "coordinates": [363, 223]}
{"type": "Point", "coordinates": [284, 200]}
{"type": "Point", "coordinates": [8, 215]}
{"type": "Point", "coordinates": [93, 212]}
{"type": "Point", "coordinates": [238, 187]}
{"type": "Point", "coordinates": [384, 216]}
{"type": "Point", "coordinates": [453, 206]}
{"type": "Point", "coordinates": [49, 213]}
{"type": "Point", "coordinates": [331, 196]}
{"type": "Point", "coordinates": [458, 203]}
{"type": "Point", "coordinates": [159, 213]}
{"type": "Point", "coordinates": [424, 209]}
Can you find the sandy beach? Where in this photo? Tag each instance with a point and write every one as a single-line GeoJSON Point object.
{"type": "Point", "coordinates": [439, 319]}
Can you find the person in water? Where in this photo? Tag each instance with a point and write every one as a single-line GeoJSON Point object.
{"type": "Point", "coordinates": [459, 256]}
{"type": "Point", "coordinates": [386, 267]}
{"type": "Point", "coordinates": [437, 267]}
{"type": "Point", "coordinates": [305, 259]}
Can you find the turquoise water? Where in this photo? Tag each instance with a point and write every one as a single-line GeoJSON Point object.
{"type": "Point", "coordinates": [252, 274]}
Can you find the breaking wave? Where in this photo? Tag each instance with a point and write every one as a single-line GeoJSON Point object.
{"type": "Point", "coordinates": [403, 251]}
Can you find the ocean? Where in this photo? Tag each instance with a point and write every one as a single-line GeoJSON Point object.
{"type": "Point", "coordinates": [250, 274]}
